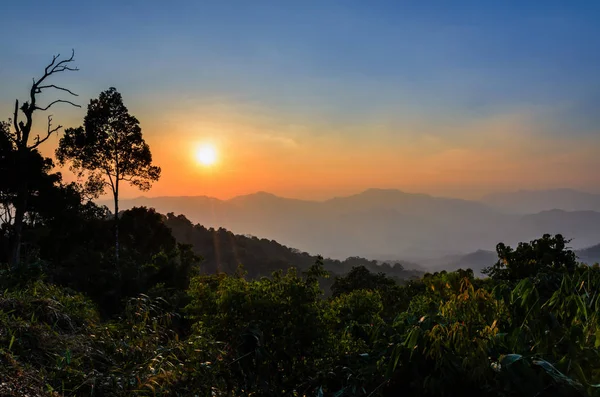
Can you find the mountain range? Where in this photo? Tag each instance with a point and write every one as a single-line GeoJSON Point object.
{"type": "Point", "coordinates": [390, 224]}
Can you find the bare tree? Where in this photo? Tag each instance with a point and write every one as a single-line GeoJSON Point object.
{"type": "Point", "coordinates": [23, 142]}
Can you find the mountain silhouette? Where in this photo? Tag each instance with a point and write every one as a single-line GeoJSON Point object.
{"type": "Point", "coordinates": [378, 223]}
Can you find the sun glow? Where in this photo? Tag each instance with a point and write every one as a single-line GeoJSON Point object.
{"type": "Point", "coordinates": [206, 155]}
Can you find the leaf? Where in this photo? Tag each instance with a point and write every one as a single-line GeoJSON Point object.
{"type": "Point", "coordinates": [12, 340]}
{"type": "Point", "coordinates": [581, 306]}
{"type": "Point", "coordinates": [509, 359]}
{"type": "Point", "coordinates": [556, 374]}
{"type": "Point", "coordinates": [412, 338]}
{"type": "Point", "coordinates": [394, 361]}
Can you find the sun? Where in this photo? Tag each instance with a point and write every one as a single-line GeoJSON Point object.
{"type": "Point", "coordinates": [206, 155]}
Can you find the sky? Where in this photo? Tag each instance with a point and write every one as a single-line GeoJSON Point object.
{"type": "Point", "coordinates": [314, 99]}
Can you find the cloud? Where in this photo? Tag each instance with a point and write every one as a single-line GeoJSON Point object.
{"type": "Point", "coordinates": [271, 138]}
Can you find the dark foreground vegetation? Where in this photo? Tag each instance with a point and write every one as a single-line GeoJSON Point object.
{"type": "Point", "coordinates": [158, 327]}
{"type": "Point", "coordinates": [121, 304]}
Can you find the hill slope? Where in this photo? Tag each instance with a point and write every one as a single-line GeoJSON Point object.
{"type": "Point", "coordinates": [224, 251]}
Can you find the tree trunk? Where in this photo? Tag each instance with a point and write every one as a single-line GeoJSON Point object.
{"type": "Point", "coordinates": [20, 209]}
{"type": "Point", "coordinates": [116, 197]}
{"type": "Point", "coordinates": [20, 206]}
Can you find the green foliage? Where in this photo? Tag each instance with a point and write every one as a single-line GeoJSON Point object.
{"type": "Point", "coordinates": [395, 299]}
{"type": "Point", "coordinates": [43, 334]}
{"type": "Point", "coordinates": [548, 254]}
{"type": "Point", "coordinates": [278, 336]}
{"type": "Point", "coordinates": [274, 330]}
{"type": "Point", "coordinates": [360, 278]}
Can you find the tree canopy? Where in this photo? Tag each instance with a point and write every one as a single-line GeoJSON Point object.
{"type": "Point", "coordinates": [109, 149]}
{"type": "Point", "coordinates": [548, 254]}
{"type": "Point", "coordinates": [109, 146]}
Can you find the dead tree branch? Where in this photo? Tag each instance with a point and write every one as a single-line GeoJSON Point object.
{"type": "Point", "coordinates": [23, 127]}
{"type": "Point", "coordinates": [40, 88]}
{"type": "Point", "coordinates": [58, 101]}
{"type": "Point", "coordinates": [21, 138]}
{"type": "Point", "coordinates": [50, 131]}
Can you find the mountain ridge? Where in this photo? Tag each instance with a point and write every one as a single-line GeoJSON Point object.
{"type": "Point", "coordinates": [377, 222]}
{"type": "Point", "coordinates": [483, 199]}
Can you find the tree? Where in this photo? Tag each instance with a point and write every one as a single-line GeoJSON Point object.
{"type": "Point", "coordinates": [548, 254]}
{"type": "Point", "coordinates": [7, 175]}
{"type": "Point", "coordinates": [360, 278]}
{"type": "Point", "coordinates": [23, 147]}
{"type": "Point", "coordinates": [109, 149]}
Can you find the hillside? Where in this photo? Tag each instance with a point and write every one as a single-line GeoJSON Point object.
{"type": "Point", "coordinates": [590, 255]}
{"type": "Point", "coordinates": [223, 251]}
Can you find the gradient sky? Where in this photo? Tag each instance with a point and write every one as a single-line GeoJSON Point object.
{"type": "Point", "coordinates": [319, 98]}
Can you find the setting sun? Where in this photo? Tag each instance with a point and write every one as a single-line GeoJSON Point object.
{"type": "Point", "coordinates": [206, 155]}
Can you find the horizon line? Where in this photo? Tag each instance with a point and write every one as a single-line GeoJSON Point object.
{"type": "Point", "coordinates": [397, 190]}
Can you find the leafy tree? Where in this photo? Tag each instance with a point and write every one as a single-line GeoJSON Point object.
{"type": "Point", "coordinates": [151, 255]}
{"type": "Point", "coordinates": [110, 149]}
{"type": "Point", "coordinates": [23, 144]}
{"type": "Point", "coordinates": [274, 331]}
{"type": "Point", "coordinates": [548, 254]}
{"type": "Point", "coordinates": [395, 298]}
{"type": "Point", "coordinates": [42, 188]}
{"type": "Point", "coordinates": [360, 278]}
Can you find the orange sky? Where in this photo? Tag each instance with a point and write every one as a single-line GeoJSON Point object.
{"type": "Point", "coordinates": [258, 151]}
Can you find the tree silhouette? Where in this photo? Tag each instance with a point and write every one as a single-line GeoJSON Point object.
{"type": "Point", "coordinates": [21, 143]}
{"type": "Point", "coordinates": [548, 254]}
{"type": "Point", "coordinates": [109, 149]}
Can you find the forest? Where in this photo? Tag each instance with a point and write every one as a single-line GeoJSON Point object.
{"type": "Point", "coordinates": [102, 302]}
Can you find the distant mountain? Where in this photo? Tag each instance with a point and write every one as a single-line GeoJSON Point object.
{"type": "Point", "coordinates": [476, 261]}
{"type": "Point", "coordinates": [581, 226]}
{"type": "Point", "coordinates": [532, 201]}
{"type": "Point", "coordinates": [377, 223]}
{"type": "Point", "coordinates": [590, 255]}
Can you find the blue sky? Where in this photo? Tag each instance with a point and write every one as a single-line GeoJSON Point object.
{"type": "Point", "coordinates": [332, 64]}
